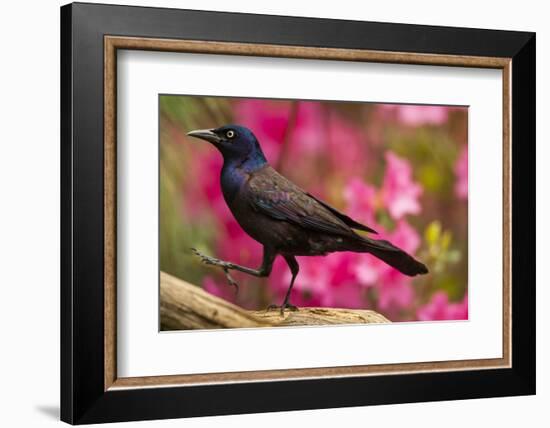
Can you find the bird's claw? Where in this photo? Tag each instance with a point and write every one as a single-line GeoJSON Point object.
{"type": "Point", "coordinates": [212, 261]}
{"type": "Point", "coordinates": [207, 260]}
{"type": "Point", "coordinates": [230, 280]}
{"type": "Point", "coordinates": [282, 307]}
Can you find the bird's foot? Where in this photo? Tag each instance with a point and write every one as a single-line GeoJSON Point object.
{"type": "Point", "coordinates": [207, 260]}
{"type": "Point", "coordinates": [282, 307]}
{"type": "Point", "coordinates": [231, 281]}
{"type": "Point", "coordinates": [226, 266]}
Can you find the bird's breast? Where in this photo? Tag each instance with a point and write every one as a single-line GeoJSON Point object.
{"type": "Point", "coordinates": [232, 180]}
{"type": "Point", "coordinates": [258, 226]}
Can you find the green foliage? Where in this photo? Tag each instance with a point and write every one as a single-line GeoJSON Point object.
{"type": "Point", "coordinates": [438, 242]}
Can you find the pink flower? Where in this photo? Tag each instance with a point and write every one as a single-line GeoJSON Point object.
{"type": "Point", "coordinates": [461, 171]}
{"type": "Point", "coordinates": [268, 120]}
{"type": "Point", "coordinates": [307, 133]}
{"type": "Point", "coordinates": [348, 146]}
{"type": "Point", "coordinates": [416, 115]}
{"type": "Point", "coordinates": [399, 192]}
{"type": "Point", "coordinates": [318, 130]}
{"type": "Point", "coordinates": [367, 270]}
{"type": "Point", "coordinates": [404, 237]}
{"type": "Point", "coordinates": [395, 290]}
{"type": "Point", "coordinates": [348, 295]}
{"type": "Point", "coordinates": [361, 200]}
{"type": "Point", "coordinates": [314, 276]}
{"type": "Point", "coordinates": [458, 311]}
{"type": "Point", "coordinates": [439, 308]}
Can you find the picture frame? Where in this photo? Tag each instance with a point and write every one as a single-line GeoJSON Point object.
{"type": "Point", "coordinates": [91, 390]}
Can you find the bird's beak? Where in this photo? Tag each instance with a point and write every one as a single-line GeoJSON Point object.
{"type": "Point", "coordinates": [205, 134]}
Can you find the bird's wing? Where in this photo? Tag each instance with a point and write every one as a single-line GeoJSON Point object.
{"type": "Point", "coordinates": [272, 194]}
{"type": "Point", "coordinates": [348, 220]}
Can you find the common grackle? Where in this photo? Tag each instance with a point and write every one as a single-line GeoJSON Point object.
{"type": "Point", "coordinates": [285, 219]}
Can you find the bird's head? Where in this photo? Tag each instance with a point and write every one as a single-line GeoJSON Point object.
{"type": "Point", "coordinates": [236, 143]}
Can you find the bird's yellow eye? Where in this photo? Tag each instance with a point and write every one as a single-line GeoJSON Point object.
{"type": "Point", "coordinates": [230, 133]}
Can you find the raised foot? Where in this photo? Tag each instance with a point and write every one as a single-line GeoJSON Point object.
{"type": "Point", "coordinates": [282, 307]}
{"type": "Point", "coordinates": [226, 266]}
{"type": "Point", "coordinates": [211, 260]}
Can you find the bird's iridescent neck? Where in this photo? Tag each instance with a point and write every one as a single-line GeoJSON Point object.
{"type": "Point", "coordinates": [246, 164]}
{"type": "Point", "coordinates": [236, 172]}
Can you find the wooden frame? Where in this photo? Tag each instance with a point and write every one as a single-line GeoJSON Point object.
{"type": "Point", "coordinates": [113, 43]}
{"type": "Point", "coordinates": [86, 378]}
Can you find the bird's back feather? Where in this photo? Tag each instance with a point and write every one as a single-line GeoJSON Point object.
{"type": "Point", "coordinates": [346, 219]}
{"type": "Point", "coordinates": [273, 195]}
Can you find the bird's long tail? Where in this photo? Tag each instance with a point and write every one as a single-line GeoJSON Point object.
{"type": "Point", "coordinates": [392, 255]}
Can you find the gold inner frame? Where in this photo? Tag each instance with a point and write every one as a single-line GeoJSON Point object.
{"type": "Point", "coordinates": [113, 43]}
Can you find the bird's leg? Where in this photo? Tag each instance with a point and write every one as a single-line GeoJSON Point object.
{"type": "Point", "coordinates": [294, 269]}
{"type": "Point", "coordinates": [263, 271]}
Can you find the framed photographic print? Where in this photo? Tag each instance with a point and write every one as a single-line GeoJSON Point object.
{"type": "Point", "coordinates": [274, 213]}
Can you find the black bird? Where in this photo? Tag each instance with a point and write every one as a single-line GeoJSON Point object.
{"type": "Point", "coordinates": [285, 219]}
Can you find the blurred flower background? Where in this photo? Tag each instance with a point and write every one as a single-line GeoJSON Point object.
{"type": "Point", "coordinates": [400, 169]}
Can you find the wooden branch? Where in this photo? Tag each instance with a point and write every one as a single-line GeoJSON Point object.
{"type": "Point", "coordinates": [184, 306]}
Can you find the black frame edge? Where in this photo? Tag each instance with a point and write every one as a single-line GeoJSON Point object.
{"type": "Point", "coordinates": [305, 31]}
{"type": "Point", "coordinates": [523, 213]}
{"type": "Point", "coordinates": [66, 317]}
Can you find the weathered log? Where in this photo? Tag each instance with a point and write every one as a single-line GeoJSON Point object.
{"type": "Point", "coordinates": [184, 306]}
